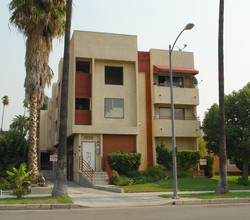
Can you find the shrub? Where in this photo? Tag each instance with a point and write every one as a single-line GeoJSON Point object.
{"type": "Point", "coordinates": [114, 177]}
{"type": "Point", "coordinates": [155, 171]}
{"type": "Point", "coordinates": [133, 173]}
{"type": "Point", "coordinates": [19, 177]}
{"type": "Point", "coordinates": [186, 159]}
{"type": "Point", "coordinates": [118, 180]}
{"type": "Point", "coordinates": [210, 166]}
{"type": "Point", "coordinates": [182, 175]}
{"type": "Point", "coordinates": [244, 182]}
{"type": "Point", "coordinates": [145, 179]}
{"type": "Point", "coordinates": [164, 157]}
{"type": "Point", "coordinates": [124, 163]}
{"type": "Point", "coordinates": [4, 184]}
{"type": "Point", "coordinates": [125, 181]}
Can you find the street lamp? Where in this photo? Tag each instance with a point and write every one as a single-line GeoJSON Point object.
{"type": "Point", "coordinates": [189, 26]}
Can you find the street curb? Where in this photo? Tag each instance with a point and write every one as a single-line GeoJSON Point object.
{"type": "Point", "coordinates": [177, 202]}
{"type": "Point", "coordinates": [210, 201]}
{"type": "Point", "coordinates": [109, 189]}
{"type": "Point", "coordinates": [40, 206]}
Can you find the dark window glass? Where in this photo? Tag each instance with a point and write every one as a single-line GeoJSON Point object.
{"type": "Point", "coordinates": [82, 104]}
{"type": "Point", "coordinates": [165, 81]}
{"type": "Point", "coordinates": [83, 66]}
{"type": "Point", "coordinates": [113, 75]}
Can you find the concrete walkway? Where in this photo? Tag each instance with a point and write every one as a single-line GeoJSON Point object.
{"type": "Point", "coordinates": [89, 197]}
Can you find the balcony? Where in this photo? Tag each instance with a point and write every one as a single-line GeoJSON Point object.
{"type": "Point", "coordinates": [82, 117]}
{"type": "Point", "coordinates": [190, 127]}
{"type": "Point", "coordinates": [182, 96]}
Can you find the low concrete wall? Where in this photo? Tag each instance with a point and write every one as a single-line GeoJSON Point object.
{"type": "Point", "coordinates": [41, 190]}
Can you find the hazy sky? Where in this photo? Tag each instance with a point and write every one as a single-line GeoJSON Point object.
{"type": "Point", "coordinates": [156, 23]}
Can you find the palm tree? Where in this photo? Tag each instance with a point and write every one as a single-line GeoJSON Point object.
{"type": "Point", "coordinates": [26, 104]}
{"type": "Point", "coordinates": [222, 183]}
{"type": "Point", "coordinates": [60, 187]}
{"type": "Point", "coordinates": [5, 101]}
{"type": "Point", "coordinates": [20, 123]}
{"type": "Point", "coordinates": [40, 21]}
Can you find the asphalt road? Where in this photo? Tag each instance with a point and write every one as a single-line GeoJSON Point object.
{"type": "Point", "coordinates": [220, 212]}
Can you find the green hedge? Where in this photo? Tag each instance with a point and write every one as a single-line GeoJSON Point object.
{"type": "Point", "coordinates": [186, 159]}
{"type": "Point", "coordinates": [124, 163]}
{"type": "Point", "coordinates": [210, 165]}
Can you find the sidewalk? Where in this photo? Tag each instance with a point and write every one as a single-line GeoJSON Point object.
{"type": "Point", "coordinates": [93, 198]}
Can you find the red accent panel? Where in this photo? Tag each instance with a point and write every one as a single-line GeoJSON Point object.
{"type": "Point", "coordinates": [82, 117]}
{"type": "Point", "coordinates": [83, 85]}
{"type": "Point", "coordinates": [112, 143]}
{"type": "Point", "coordinates": [144, 66]}
{"type": "Point", "coordinates": [175, 69]}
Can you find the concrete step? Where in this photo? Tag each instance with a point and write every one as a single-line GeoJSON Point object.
{"type": "Point", "coordinates": [100, 178]}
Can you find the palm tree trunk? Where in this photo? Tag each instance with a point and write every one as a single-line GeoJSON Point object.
{"type": "Point", "coordinates": [2, 119]}
{"type": "Point", "coordinates": [222, 183]}
{"type": "Point", "coordinates": [245, 168]}
{"type": "Point", "coordinates": [32, 153]}
{"type": "Point", "coordinates": [60, 187]}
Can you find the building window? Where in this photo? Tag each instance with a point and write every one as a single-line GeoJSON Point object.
{"type": "Point", "coordinates": [83, 66]}
{"type": "Point", "coordinates": [113, 75]}
{"type": "Point", "coordinates": [165, 113]}
{"type": "Point", "coordinates": [165, 81]}
{"type": "Point", "coordinates": [231, 162]}
{"type": "Point", "coordinates": [82, 104]}
{"type": "Point", "coordinates": [113, 108]}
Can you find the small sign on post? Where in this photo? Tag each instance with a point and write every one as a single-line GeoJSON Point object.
{"type": "Point", "coordinates": [53, 158]}
{"type": "Point", "coordinates": [203, 162]}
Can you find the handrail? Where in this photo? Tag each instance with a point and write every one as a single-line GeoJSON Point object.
{"type": "Point", "coordinates": [105, 166]}
{"type": "Point", "coordinates": [85, 168]}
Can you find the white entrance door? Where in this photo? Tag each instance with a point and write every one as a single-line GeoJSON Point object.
{"type": "Point", "coordinates": [88, 153]}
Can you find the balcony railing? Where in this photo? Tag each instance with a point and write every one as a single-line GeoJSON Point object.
{"type": "Point", "coordinates": [194, 118]}
{"type": "Point", "coordinates": [183, 128]}
{"type": "Point", "coordinates": [182, 95]}
{"type": "Point", "coordinates": [176, 85]}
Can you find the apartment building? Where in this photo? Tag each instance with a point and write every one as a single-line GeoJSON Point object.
{"type": "Point", "coordinates": [119, 99]}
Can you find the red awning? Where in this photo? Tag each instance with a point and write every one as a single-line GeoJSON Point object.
{"type": "Point", "coordinates": [175, 69]}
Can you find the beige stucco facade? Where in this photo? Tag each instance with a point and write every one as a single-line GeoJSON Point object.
{"type": "Point", "coordinates": [138, 92]}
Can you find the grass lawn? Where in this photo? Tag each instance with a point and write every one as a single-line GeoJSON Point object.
{"type": "Point", "coordinates": [36, 200]}
{"type": "Point", "coordinates": [212, 195]}
{"type": "Point", "coordinates": [184, 184]}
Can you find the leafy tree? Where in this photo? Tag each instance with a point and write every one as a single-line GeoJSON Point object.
{"type": "Point", "coordinates": [40, 21]}
{"type": "Point", "coordinates": [5, 101]}
{"type": "Point", "coordinates": [237, 110]}
{"type": "Point", "coordinates": [238, 126]}
{"type": "Point", "coordinates": [20, 123]}
{"type": "Point", "coordinates": [210, 127]}
{"type": "Point", "coordinates": [60, 187]}
{"type": "Point", "coordinates": [202, 146]}
{"type": "Point", "coordinates": [13, 149]}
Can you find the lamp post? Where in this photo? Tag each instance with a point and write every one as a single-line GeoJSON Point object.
{"type": "Point", "coordinates": [187, 27]}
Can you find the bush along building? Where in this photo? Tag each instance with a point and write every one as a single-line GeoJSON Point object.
{"type": "Point", "coordinates": [119, 100]}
